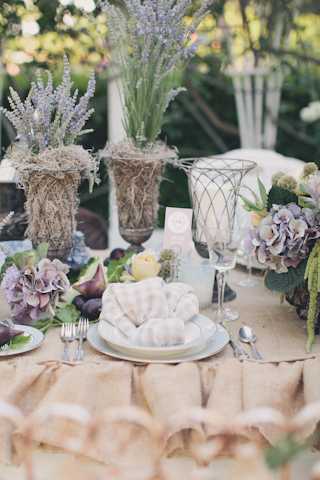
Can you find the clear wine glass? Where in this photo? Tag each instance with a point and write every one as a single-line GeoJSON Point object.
{"type": "Point", "coordinates": [223, 255]}
{"type": "Point", "coordinates": [243, 226]}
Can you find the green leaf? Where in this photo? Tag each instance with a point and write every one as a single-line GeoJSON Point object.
{"type": "Point", "coordinates": [7, 263]}
{"type": "Point", "coordinates": [283, 452]}
{"type": "Point", "coordinates": [24, 259]}
{"type": "Point", "coordinates": [250, 206]}
{"type": "Point", "coordinates": [67, 313]}
{"type": "Point", "coordinates": [280, 196]}
{"type": "Point", "coordinates": [263, 193]}
{"type": "Point", "coordinates": [116, 267]}
{"type": "Point", "coordinates": [19, 341]}
{"type": "Point", "coordinates": [286, 282]}
{"type": "Point", "coordinates": [42, 251]}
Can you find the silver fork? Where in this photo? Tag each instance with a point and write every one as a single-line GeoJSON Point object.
{"type": "Point", "coordinates": [67, 335]}
{"type": "Point", "coordinates": [82, 330]}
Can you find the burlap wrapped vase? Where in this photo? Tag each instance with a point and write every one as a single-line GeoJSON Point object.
{"type": "Point", "coordinates": [51, 181]}
{"type": "Point", "coordinates": [136, 176]}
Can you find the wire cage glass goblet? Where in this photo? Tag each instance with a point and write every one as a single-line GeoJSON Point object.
{"type": "Point", "coordinates": [214, 185]}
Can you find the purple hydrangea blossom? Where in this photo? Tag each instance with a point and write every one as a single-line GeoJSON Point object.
{"type": "Point", "coordinates": [34, 291]}
{"type": "Point", "coordinates": [284, 237]}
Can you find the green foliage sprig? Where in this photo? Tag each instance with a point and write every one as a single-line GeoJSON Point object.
{"type": "Point", "coordinates": [312, 275]}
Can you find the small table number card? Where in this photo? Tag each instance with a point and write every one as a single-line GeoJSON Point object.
{"type": "Point", "coordinates": [178, 230]}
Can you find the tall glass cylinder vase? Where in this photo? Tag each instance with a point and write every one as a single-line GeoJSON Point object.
{"type": "Point", "coordinates": [214, 185]}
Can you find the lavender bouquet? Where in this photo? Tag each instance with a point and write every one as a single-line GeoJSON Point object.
{"type": "Point", "coordinates": [49, 165]}
{"type": "Point", "coordinates": [151, 41]}
{"type": "Point", "coordinates": [33, 286]}
{"type": "Point", "coordinates": [286, 239]}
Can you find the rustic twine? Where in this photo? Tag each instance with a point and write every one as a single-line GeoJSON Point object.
{"type": "Point", "coordinates": [136, 175]}
{"type": "Point", "coordinates": [51, 180]}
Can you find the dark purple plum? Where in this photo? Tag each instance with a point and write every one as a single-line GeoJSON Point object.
{"type": "Point", "coordinates": [92, 308]}
{"type": "Point", "coordinates": [117, 253]}
{"type": "Point", "coordinates": [78, 302]}
{"type": "Point", "coordinates": [7, 334]}
{"type": "Point", "coordinates": [93, 288]}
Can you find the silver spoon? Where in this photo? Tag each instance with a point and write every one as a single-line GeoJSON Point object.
{"type": "Point", "coordinates": [246, 335]}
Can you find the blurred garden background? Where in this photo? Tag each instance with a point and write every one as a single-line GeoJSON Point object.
{"type": "Point", "coordinates": [202, 120]}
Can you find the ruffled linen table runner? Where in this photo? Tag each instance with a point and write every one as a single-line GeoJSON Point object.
{"type": "Point", "coordinates": [287, 380]}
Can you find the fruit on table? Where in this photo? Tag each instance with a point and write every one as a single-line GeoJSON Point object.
{"type": "Point", "coordinates": [7, 334]}
{"type": "Point", "coordinates": [94, 287]}
{"type": "Point", "coordinates": [117, 253]}
{"type": "Point", "coordinates": [79, 301]}
{"type": "Point", "coordinates": [92, 308]}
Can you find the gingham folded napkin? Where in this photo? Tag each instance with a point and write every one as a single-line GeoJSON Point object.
{"type": "Point", "coordinates": [150, 312]}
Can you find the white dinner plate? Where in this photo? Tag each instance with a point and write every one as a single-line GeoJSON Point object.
{"type": "Point", "coordinates": [36, 338]}
{"type": "Point", "coordinates": [119, 342]}
{"type": "Point", "coordinates": [214, 345]}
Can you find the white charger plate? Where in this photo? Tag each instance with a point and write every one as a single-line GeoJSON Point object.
{"type": "Point", "coordinates": [214, 344]}
{"type": "Point", "coordinates": [36, 338]}
{"type": "Point", "coordinates": [119, 342]}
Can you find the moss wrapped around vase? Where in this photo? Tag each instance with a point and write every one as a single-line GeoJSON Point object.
{"type": "Point", "coordinates": [136, 176]}
{"type": "Point", "coordinates": [51, 181]}
{"type": "Point", "coordinates": [299, 298]}
{"type": "Point", "coordinates": [51, 206]}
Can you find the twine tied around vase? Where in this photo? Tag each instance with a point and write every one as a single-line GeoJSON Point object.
{"type": "Point", "coordinates": [51, 180]}
{"type": "Point", "coordinates": [136, 175]}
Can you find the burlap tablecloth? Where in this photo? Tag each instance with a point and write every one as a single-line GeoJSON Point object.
{"type": "Point", "coordinates": [287, 380]}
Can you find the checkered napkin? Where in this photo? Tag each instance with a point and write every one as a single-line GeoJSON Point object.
{"type": "Point", "coordinates": [150, 312]}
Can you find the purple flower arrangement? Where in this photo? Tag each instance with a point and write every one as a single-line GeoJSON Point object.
{"type": "Point", "coordinates": [33, 287]}
{"type": "Point", "coordinates": [285, 238]}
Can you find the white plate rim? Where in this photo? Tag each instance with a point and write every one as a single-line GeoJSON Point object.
{"type": "Point", "coordinates": [211, 348]}
{"type": "Point", "coordinates": [37, 338]}
{"type": "Point", "coordinates": [148, 351]}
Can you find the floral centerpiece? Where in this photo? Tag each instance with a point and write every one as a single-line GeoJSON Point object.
{"type": "Point", "coordinates": [33, 285]}
{"type": "Point", "coordinates": [48, 163]}
{"type": "Point", "coordinates": [150, 41]}
{"type": "Point", "coordinates": [286, 239]}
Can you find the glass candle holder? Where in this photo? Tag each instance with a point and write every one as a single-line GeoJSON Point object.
{"type": "Point", "coordinates": [199, 274]}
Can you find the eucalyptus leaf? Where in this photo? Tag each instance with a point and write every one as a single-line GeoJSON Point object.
{"type": "Point", "coordinates": [286, 282]}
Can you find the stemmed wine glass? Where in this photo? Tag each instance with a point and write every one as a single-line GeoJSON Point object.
{"type": "Point", "coordinates": [214, 185]}
{"type": "Point", "coordinates": [222, 249]}
{"type": "Point", "coordinates": [243, 226]}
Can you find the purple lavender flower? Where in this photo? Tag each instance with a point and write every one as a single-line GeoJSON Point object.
{"type": "Point", "coordinates": [50, 118]}
{"type": "Point", "coordinates": [284, 237]}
